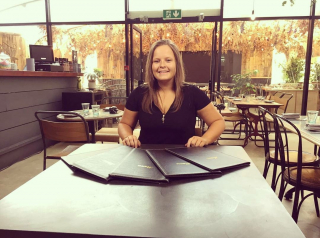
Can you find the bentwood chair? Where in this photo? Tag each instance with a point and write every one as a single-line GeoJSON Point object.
{"type": "Point", "coordinates": [304, 177]}
{"type": "Point", "coordinates": [272, 156]}
{"type": "Point", "coordinates": [61, 132]}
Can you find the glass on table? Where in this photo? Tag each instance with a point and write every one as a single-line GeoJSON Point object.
{"type": "Point", "coordinates": [95, 110]}
{"type": "Point", "coordinates": [85, 108]}
{"type": "Point", "coordinates": [312, 117]}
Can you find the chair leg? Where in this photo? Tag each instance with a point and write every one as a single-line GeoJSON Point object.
{"type": "Point", "coordinates": [316, 204]}
{"type": "Point", "coordinates": [282, 189]}
{"type": "Point", "coordinates": [44, 162]}
{"type": "Point", "coordinates": [274, 176]}
{"type": "Point", "coordinates": [266, 168]}
{"type": "Point", "coordinates": [295, 211]}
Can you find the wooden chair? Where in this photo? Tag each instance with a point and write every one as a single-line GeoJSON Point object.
{"type": "Point", "coordinates": [284, 99]}
{"type": "Point", "coordinates": [106, 134]}
{"type": "Point", "coordinates": [304, 177]}
{"type": "Point", "coordinates": [61, 131]}
{"type": "Point", "coordinates": [272, 156]}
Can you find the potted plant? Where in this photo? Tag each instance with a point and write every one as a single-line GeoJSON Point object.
{"type": "Point", "coordinates": [242, 83]}
{"type": "Point", "coordinates": [293, 70]}
{"type": "Point", "coordinates": [92, 78]}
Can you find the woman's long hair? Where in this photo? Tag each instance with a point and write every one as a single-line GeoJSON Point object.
{"type": "Point", "coordinates": [153, 86]}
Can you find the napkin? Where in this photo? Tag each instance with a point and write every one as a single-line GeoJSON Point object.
{"type": "Point", "coordinates": [290, 115]}
{"type": "Point", "coordinates": [313, 127]}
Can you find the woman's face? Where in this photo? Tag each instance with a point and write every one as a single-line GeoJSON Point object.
{"type": "Point", "coordinates": [163, 63]}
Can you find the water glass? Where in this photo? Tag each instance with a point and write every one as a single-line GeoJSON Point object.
{"type": "Point", "coordinates": [312, 116]}
{"type": "Point", "coordinates": [95, 110]}
{"type": "Point", "coordinates": [85, 108]}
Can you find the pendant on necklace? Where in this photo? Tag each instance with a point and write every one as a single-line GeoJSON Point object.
{"type": "Point", "coordinates": [163, 118]}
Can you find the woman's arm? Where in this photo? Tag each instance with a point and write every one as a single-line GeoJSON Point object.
{"type": "Point", "coordinates": [126, 126]}
{"type": "Point", "coordinates": [215, 123]}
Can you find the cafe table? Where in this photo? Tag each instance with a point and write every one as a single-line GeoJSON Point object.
{"type": "Point", "coordinates": [61, 203]}
{"type": "Point", "coordinates": [244, 105]}
{"type": "Point", "coordinates": [91, 119]}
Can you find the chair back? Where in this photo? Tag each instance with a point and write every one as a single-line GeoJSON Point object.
{"type": "Point", "coordinates": [284, 99]}
{"type": "Point", "coordinates": [217, 97]}
{"type": "Point", "coordinates": [265, 118]}
{"type": "Point", "coordinates": [62, 131]}
{"type": "Point", "coordinates": [278, 94]}
{"type": "Point", "coordinates": [281, 131]}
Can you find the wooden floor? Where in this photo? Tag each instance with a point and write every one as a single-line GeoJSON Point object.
{"type": "Point", "coordinates": [21, 172]}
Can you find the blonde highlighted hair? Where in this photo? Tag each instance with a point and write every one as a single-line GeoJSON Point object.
{"type": "Point", "coordinates": [152, 83]}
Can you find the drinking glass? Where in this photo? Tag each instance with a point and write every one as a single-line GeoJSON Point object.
{"type": "Point", "coordinates": [95, 110]}
{"type": "Point", "coordinates": [85, 108]}
{"type": "Point", "coordinates": [312, 116]}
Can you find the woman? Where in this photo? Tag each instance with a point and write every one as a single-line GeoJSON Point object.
{"type": "Point", "coordinates": [166, 107]}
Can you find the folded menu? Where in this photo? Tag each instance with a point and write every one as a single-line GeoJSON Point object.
{"type": "Point", "coordinates": [102, 164]}
{"type": "Point", "coordinates": [138, 166]}
{"type": "Point", "coordinates": [291, 115]}
{"type": "Point", "coordinates": [208, 159]}
{"type": "Point", "coordinates": [174, 167]}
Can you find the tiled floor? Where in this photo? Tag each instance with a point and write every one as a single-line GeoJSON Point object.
{"type": "Point", "coordinates": [18, 174]}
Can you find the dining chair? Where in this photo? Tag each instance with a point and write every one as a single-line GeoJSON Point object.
{"type": "Point", "coordinates": [284, 99]}
{"type": "Point", "coordinates": [51, 130]}
{"type": "Point", "coordinates": [272, 152]}
{"type": "Point", "coordinates": [236, 118]}
{"type": "Point", "coordinates": [301, 175]}
{"type": "Point", "coordinates": [109, 134]}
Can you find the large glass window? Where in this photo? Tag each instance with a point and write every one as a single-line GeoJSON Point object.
{"type": "Point", "coordinates": [268, 50]}
{"type": "Point", "coordinates": [98, 47]}
{"type": "Point", "coordinates": [22, 11]}
{"type": "Point", "coordinates": [194, 41]}
{"type": "Point", "coordinates": [82, 11]}
{"type": "Point", "coordinates": [15, 41]}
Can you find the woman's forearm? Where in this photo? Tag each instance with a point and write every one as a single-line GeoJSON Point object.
{"type": "Point", "coordinates": [124, 130]}
{"type": "Point", "coordinates": [214, 131]}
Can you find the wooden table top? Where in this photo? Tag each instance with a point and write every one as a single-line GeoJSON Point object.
{"type": "Point", "coordinates": [253, 103]}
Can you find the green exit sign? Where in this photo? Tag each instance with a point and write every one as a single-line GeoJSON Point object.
{"type": "Point", "coordinates": [172, 14]}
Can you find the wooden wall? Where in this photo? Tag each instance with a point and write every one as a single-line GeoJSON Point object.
{"type": "Point", "coordinates": [20, 98]}
{"type": "Point", "coordinates": [14, 46]}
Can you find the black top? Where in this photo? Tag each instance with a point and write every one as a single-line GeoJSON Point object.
{"type": "Point", "coordinates": [178, 126]}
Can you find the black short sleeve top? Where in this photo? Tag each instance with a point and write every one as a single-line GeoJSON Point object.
{"type": "Point", "coordinates": [178, 126]}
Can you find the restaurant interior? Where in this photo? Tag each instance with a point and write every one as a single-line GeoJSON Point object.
{"type": "Point", "coordinates": [63, 56]}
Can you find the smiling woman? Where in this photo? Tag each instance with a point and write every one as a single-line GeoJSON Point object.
{"type": "Point", "coordinates": [166, 107]}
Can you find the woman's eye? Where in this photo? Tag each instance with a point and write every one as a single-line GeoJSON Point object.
{"type": "Point", "coordinates": [168, 60]}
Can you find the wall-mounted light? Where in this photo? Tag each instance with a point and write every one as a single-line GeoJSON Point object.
{"type": "Point", "coordinates": [253, 17]}
{"type": "Point", "coordinates": [201, 17]}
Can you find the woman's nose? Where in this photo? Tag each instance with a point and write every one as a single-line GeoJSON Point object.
{"type": "Point", "coordinates": [162, 63]}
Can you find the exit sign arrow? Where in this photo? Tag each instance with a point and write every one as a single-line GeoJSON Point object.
{"type": "Point", "coordinates": [171, 14]}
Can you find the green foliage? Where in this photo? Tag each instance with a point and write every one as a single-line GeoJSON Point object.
{"type": "Point", "coordinates": [293, 70]}
{"type": "Point", "coordinates": [285, 2]}
{"type": "Point", "coordinates": [315, 72]}
{"type": "Point", "coordinates": [242, 83]}
{"type": "Point", "coordinates": [98, 72]}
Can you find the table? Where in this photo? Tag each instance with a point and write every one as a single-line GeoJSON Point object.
{"type": "Point", "coordinates": [245, 105]}
{"type": "Point", "coordinates": [59, 203]}
{"type": "Point", "coordinates": [313, 137]}
{"type": "Point", "coordinates": [92, 119]}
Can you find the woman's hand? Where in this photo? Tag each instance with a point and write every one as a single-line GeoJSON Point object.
{"type": "Point", "coordinates": [196, 141]}
{"type": "Point", "coordinates": [131, 141]}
